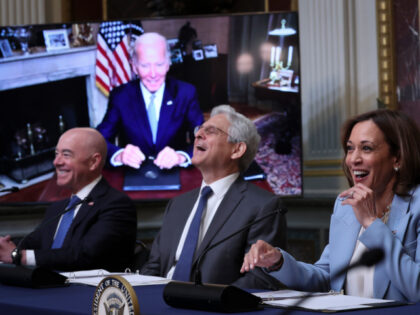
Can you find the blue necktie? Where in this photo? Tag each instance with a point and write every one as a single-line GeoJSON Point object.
{"type": "Point", "coordinates": [151, 114]}
{"type": "Point", "coordinates": [183, 266]}
{"type": "Point", "coordinates": [65, 223]}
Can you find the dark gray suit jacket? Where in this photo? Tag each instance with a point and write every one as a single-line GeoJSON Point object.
{"type": "Point", "coordinates": [242, 204]}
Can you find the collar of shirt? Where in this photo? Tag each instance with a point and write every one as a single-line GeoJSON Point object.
{"type": "Point", "coordinates": [82, 194]}
{"type": "Point", "coordinates": [221, 186]}
{"type": "Point", "coordinates": [158, 97]}
{"type": "Point", "coordinates": [85, 191]}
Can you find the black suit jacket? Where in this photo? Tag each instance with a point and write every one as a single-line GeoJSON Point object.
{"type": "Point", "coordinates": [242, 204]}
{"type": "Point", "coordinates": [102, 234]}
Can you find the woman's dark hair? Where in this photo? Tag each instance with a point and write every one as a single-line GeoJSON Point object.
{"type": "Point", "coordinates": [403, 137]}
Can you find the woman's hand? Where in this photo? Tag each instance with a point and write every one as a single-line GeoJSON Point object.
{"type": "Point", "coordinates": [362, 199]}
{"type": "Point", "coordinates": [261, 254]}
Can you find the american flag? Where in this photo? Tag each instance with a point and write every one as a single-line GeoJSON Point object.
{"type": "Point", "coordinates": [113, 53]}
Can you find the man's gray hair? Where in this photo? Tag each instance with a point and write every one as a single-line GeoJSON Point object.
{"type": "Point", "coordinates": [150, 38]}
{"type": "Point", "coordinates": [241, 129]}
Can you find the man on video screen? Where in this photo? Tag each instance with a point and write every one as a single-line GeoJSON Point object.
{"type": "Point", "coordinates": [153, 116]}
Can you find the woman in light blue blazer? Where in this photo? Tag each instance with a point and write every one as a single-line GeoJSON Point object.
{"type": "Point", "coordinates": [381, 209]}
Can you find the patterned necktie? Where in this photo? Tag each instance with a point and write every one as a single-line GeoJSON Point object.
{"type": "Point", "coordinates": [65, 223]}
{"type": "Point", "coordinates": [183, 266]}
{"type": "Point", "coordinates": [151, 114]}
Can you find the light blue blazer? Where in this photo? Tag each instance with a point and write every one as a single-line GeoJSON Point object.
{"type": "Point", "coordinates": [397, 277]}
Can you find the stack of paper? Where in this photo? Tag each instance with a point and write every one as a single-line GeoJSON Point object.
{"type": "Point", "coordinates": [320, 301]}
{"type": "Point", "coordinates": [93, 277]}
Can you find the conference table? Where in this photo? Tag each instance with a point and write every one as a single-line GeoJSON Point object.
{"type": "Point", "coordinates": [77, 299]}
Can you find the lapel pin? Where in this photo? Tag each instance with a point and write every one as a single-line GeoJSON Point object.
{"type": "Point", "coordinates": [91, 203]}
{"type": "Point", "coordinates": [169, 103]}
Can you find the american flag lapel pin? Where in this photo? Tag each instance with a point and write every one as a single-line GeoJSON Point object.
{"type": "Point", "coordinates": [169, 103]}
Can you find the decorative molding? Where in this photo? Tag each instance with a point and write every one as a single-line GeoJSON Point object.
{"type": "Point", "coordinates": [18, 12]}
{"type": "Point", "coordinates": [339, 70]}
{"type": "Point", "coordinates": [386, 53]}
{"type": "Point", "coordinates": [312, 173]}
{"type": "Point", "coordinates": [334, 162]}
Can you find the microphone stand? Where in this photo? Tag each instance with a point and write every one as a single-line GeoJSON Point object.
{"type": "Point", "coordinates": [214, 297]}
{"type": "Point", "coordinates": [33, 276]}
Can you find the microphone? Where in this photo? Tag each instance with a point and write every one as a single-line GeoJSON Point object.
{"type": "Point", "coordinates": [10, 189]}
{"type": "Point", "coordinates": [368, 259]}
{"type": "Point", "coordinates": [33, 276]}
{"type": "Point", "coordinates": [214, 297]}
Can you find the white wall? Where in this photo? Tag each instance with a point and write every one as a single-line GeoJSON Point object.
{"type": "Point", "coordinates": [339, 79]}
{"type": "Point", "coordinates": [17, 12]}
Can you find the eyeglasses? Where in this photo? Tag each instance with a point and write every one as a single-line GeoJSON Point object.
{"type": "Point", "coordinates": [209, 130]}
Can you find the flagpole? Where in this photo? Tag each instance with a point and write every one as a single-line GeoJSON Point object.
{"type": "Point", "coordinates": [104, 10]}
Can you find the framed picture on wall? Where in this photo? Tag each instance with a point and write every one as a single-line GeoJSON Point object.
{"type": "Point", "coordinates": [176, 56]}
{"type": "Point", "coordinates": [198, 54]}
{"type": "Point", "coordinates": [210, 51]}
{"type": "Point", "coordinates": [56, 39]}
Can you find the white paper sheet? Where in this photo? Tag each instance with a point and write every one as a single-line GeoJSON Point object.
{"type": "Point", "coordinates": [321, 301]}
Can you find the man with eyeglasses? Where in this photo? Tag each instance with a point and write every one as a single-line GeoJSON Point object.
{"type": "Point", "coordinates": [224, 147]}
{"type": "Point", "coordinates": [154, 116]}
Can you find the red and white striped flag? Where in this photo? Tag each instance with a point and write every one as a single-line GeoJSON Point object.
{"type": "Point", "coordinates": [113, 54]}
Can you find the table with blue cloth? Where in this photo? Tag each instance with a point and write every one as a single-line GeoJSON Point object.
{"type": "Point", "coordinates": [77, 299]}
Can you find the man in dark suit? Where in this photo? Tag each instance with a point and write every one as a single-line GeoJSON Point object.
{"type": "Point", "coordinates": [152, 116]}
{"type": "Point", "coordinates": [224, 147]}
{"type": "Point", "coordinates": [100, 229]}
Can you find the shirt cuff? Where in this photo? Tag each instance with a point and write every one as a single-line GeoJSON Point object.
{"type": "Point", "coordinates": [30, 257]}
{"type": "Point", "coordinates": [114, 156]}
{"type": "Point", "coordinates": [187, 159]}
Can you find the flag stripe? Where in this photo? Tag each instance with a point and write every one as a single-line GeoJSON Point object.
{"type": "Point", "coordinates": [113, 56]}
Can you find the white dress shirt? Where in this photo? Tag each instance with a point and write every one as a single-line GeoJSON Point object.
{"type": "Point", "coordinates": [359, 281]}
{"type": "Point", "coordinates": [158, 104]}
{"type": "Point", "coordinates": [219, 188]}
{"type": "Point", "coordinates": [82, 194]}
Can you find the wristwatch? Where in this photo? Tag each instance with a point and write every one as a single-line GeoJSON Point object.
{"type": "Point", "coordinates": [16, 256]}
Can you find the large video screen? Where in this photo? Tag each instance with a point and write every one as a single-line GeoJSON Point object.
{"type": "Point", "coordinates": [54, 77]}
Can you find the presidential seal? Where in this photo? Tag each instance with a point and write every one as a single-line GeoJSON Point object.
{"type": "Point", "coordinates": [115, 296]}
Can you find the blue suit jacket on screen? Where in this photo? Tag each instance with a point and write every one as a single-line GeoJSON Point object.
{"type": "Point", "coordinates": [127, 117]}
{"type": "Point", "coordinates": [395, 278]}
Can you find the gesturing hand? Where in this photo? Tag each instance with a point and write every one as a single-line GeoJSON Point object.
{"type": "Point", "coordinates": [261, 254]}
{"type": "Point", "coordinates": [362, 199]}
